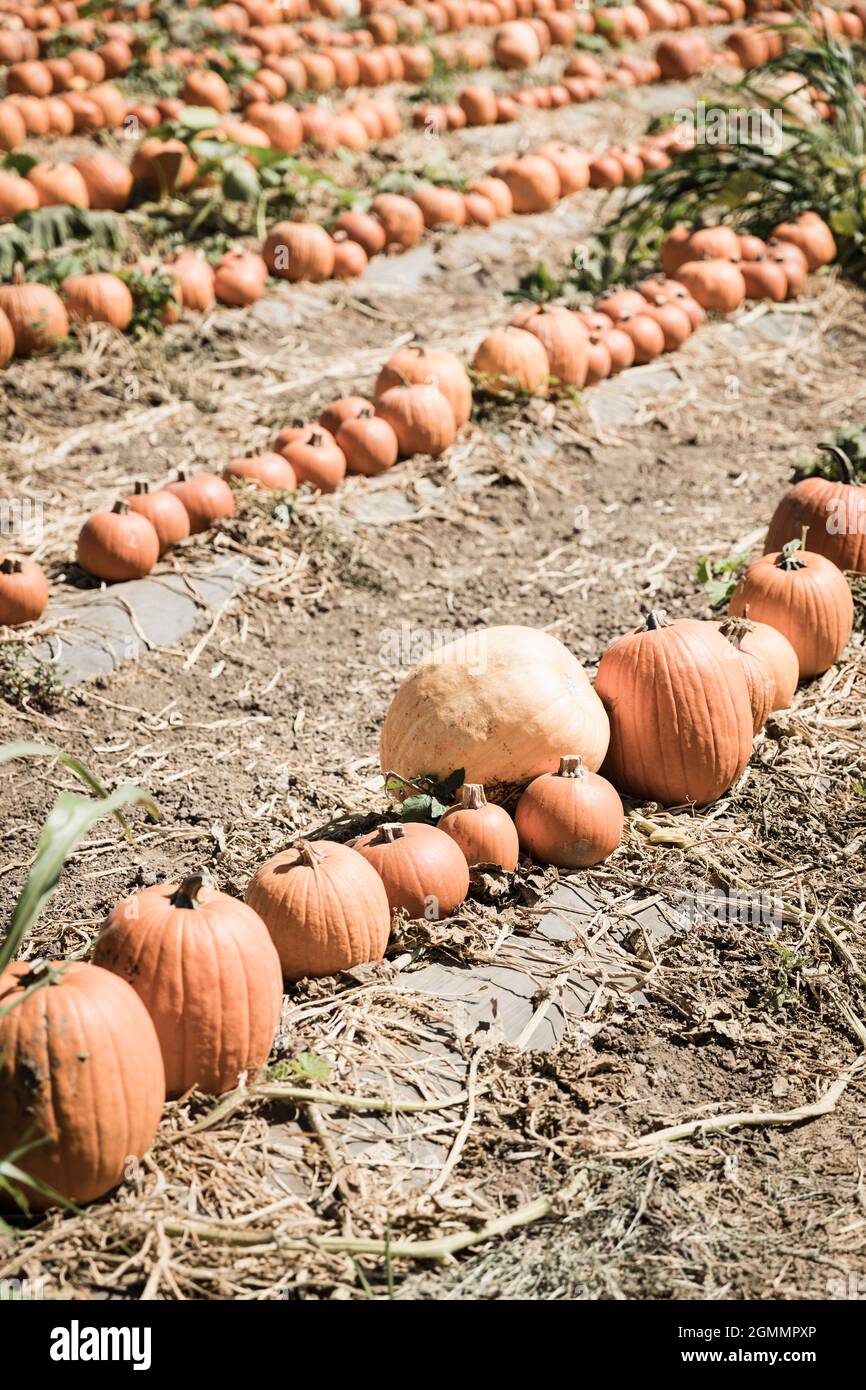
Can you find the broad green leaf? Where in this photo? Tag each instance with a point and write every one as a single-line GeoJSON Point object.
{"type": "Point", "coordinates": [240, 180]}
{"type": "Point", "coordinates": [311, 1066]}
{"type": "Point", "coordinates": [198, 118]}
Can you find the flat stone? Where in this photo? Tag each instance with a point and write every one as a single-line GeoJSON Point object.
{"type": "Point", "coordinates": [619, 399]}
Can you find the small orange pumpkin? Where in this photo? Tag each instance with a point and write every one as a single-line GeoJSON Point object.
{"type": "Point", "coordinates": [117, 545]}
{"type": "Point", "coordinates": [572, 818]}
{"type": "Point", "coordinates": [511, 359]}
{"type": "Point", "coordinates": [98, 298]}
{"type": "Point", "coordinates": [269, 471]}
{"type": "Point", "coordinates": [317, 460]}
{"type": "Point", "coordinates": [484, 831]}
{"type": "Point", "coordinates": [421, 365]}
{"type": "Point", "coordinates": [165, 512]}
{"type": "Point", "coordinates": [421, 418]}
{"type": "Point", "coordinates": [424, 871]}
{"type": "Point", "coordinates": [368, 442]}
{"type": "Point", "coordinates": [37, 315]}
{"type": "Point", "coordinates": [23, 590]}
{"type": "Point", "coordinates": [299, 251]}
{"type": "Point", "coordinates": [206, 497]}
{"type": "Point", "coordinates": [806, 597]}
{"type": "Point", "coordinates": [564, 338]}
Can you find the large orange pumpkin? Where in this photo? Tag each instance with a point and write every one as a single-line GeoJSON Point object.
{"type": "Point", "coordinates": [564, 338]}
{"type": "Point", "coordinates": [299, 251]}
{"type": "Point", "coordinates": [80, 1069]}
{"type": "Point", "coordinates": [37, 315]}
{"type": "Point", "coordinates": [324, 906]}
{"type": "Point", "coordinates": [118, 544]}
{"type": "Point", "coordinates": [680, 715]}
{"type": "Point", "coordinates": [498, 703]}
{"type": "Point", "coordinates": [834, 512]}
{"type": "Point", "coordinates": [208, 974]}
{"type": "Point", "coordinates": [806, 597]}
{"type": "Point", "coordinates": [424, 871]}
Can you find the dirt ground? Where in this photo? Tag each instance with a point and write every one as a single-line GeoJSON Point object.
{"type": "Point", "coordinates": [541, 516]}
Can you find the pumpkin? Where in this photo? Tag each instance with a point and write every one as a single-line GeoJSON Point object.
{"type": "Point", "coordinates": [239, 279]}
{"type": "Point", "coordinates": [793, 262]}
{"type": "Point", "coordinates": [605, 171]}
{"type": "Point", "coordinates": [498, 703]}
{"type": "Point", "coordinates": [338, 412]}
{"type": "Point", "coordinates": [418, 366]}
{"type": "Point", "coordinates": [682, 56]}
{"type": "Point", "coordinates": [425, 872]}
{"type": "Point", "coordinates": [281, 123]}
{"type": "Point", "coordinates": [675, 249]}
{"type": "Point", "coordinates": [806, 597]}
{"type": "Point", "coordinates": [760, 680]}
{"type": "Point", "coordinates": [324, 906]}
{"type": "Point", "coordinates": [680, 715]}
{"type": "Point", "coordinates": [369, 443]}
{"type": "Point", "coordinates": [207, 89]}
{"type": "Point", "coordinates": [480, 212]}
{"type": "Point", "coordinates": [118, 544]}
{"type": "Point", "coordinates": [299, 251]}
{"type": "Point", "coordinates": [29, 79]}
{"type": "Point", "coordinates": [621, 304]}
{"type": "Point", "coordinates": [715, 284]}
{"type": "Point", "coordinates": [402, 220]}
{"type": "Point", "coordinates": [107, 180]}
{"type": "Point", "coordinates": [37, 315]}
{"type": "Point", "coordinates": [58, 185]}
{"type": "Point", "coordinates": [674, 322]}
{"type": "Point", "coordinates": [571, 165]}
{"type": "Point", "coordinates": [571, 818]}
{"type": "Point", "coordinates": [296, 430]}
{"type": "Point", "coordinates": [621, 347]}
{"type": "Point", "coordinates": [81, 1070]}
{"type": "Point", "coordinates": [834, 512]}
{"type": "Point", "coordinates": [206, 497]}
{"type": "Point", "coordinates": [484, 831]}
{"type": "Point", "coordinates": [660, 292]}
{"type": "Point", "coordinates": [533, 182]}
{"type": "Point", "coordinates": [163, 165]}
{"type": "Point", "coordinates": [361, 227]}
{"type": "Point", "coordinates": [13, 131]}
{"type": "Point", "coordinates": [440, 206]}
{"type": "Point", "coordinates": [111, 103]}
{"type": "Point", "coordinates": [195, 278]}
{"type": "Point", "coordinates": [99, 298]}
{"type": "Point", "coordinates": [269, 471]}
{"type": "Point", "coordinates": [420, 416]}
{"type": "Point", "coordinates": [317, 460]}
{"type": "Point", "coordinates": [599, 363]}
{"type": "Point", "coordinates": [771, 650]}
{"type": "Point", "coordinates": [512, 360]}
{"type": "Point", "coordinates": [752, 248]}
{"type": "Point", "coordinates": [350, 259]}
{"type": "Point", "coordinates": [564, 338]}
{"type": "Point", "coordinates": [23, 590]}
{"type": "Point", "coordinates": [480, 105]}
{"type": "Point", "coordinates": [764, 279]}
{"type": "Point", "coordinates": [813, 237]}
{"type": "Point", "coordinates": [713, 243]}
{"type": "Point", "coordinates": [165, 512]}
{"type": "Point", "coordinates": [206, 970]}
{"type": "Point", "coordinates": [16, 195]}
{"type": "Point", "coordinates": [497, 191]}
{"type": "Point", "coordinates": [516, 46]}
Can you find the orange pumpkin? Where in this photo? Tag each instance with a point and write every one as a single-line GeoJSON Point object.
{"type": "Point", "coordinates": [37, 315]}
{"type": "Point", "coordinates": [325, 908]}
{"type": "Point", "coordinates": [806, 597]}
{"type": "Point", "coordinates": [206, 497]}
{"type": "Point", "coordinates": [401, 219]}
{"type": "Point", "coordinates": [425, 872]}
{"type": "Point", "coordinates": [118, 544]}
{"type": "Point", "coordinates": [512, 360]}
{"type": "Point", "coordinates": [269, 471]}
{"type": "Point", "coordinates": [564, 338]}
{"type": "Point", "coordinates": [369, 443]}
{"type": "Point", "coordinates": [23, 590]}
{"type": "Point", "coordinates": [335, 414]}
{"type": "Point", "coordinates": [317, 460]}
{"type": "Point", "coordinates": [108, 181]}
{"type": "Point", "coordinates": [421, 418]}
{"type": "Point", "coordinates": [497, 191]}
{"type": "Point", "coordinates": [440, 206]}
{"type": "Point", "coordinates": [833, 511]}
{"type": "Point", "coordinates": [571, 818]}
{"type": "Point", "coordinates": [484, 831]}
{"type": "Point", "coordinates": [195, 278]}
{"type": "Point", "coordinates": [165, 512]}
{"type": "Point", "coordinates": [98, 298]}
{"type": "Point", "coordinates": [299, 251]}
{"type": "Point", "coordinates": [418, 365]}
{"type": "Point", "coordinates": [16, 195]}
{"type": "Point", "coordinates": [715, 284]}
{"type": "Point", "coordinates": [350, 259]}
{"type": "Point", "coordinates": [813, 237]}
{"type": "Point", "coordinates": [59, 185]}
{"type": "Point", "coordinates": [680, 715]}
{"type": "Point", "coordinates": [239, 279]}
{"type": "Point", "coordinates": [533, 182]}
{"type": "Point", "coordinates": [361, 227]}
{"type": "Point", "coordinates": [516, 46]}
{"type": "Point", "coordinates": [771, 651]}
{"type": "Point", "coordinates": [208, 974]}
{"type": "Point", "coordinates": [205, 88]}
{"type": "Point", "coordinates": [81, 1071]}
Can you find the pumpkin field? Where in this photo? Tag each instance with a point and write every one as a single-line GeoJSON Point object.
{"type": "Point", "coordinates": [432, 650]}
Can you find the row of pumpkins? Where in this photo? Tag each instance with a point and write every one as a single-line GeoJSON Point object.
{"type": "Point", "coordinates": [89, 1052]}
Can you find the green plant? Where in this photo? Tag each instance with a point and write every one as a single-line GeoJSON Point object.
{"type": "Point", "coordinates": [719, 578]}
{"type": "Point", "coordinates": [428, 797]}
{"type": "Point", "coordinates": [26, 682]}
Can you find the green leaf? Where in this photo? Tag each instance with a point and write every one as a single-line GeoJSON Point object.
{"type": "Point", "coordinates": [70, 819]}
{"type": "Point", "coordinates": [20, 161]}
{"type": "Point", "coordinates": [198, 118]}
{"type": "Point", "coordinates": [419, 808]}
{"type": "Point", "coordinates": [719, 581]}
{"type": "Point", "coordinates": [310, 1066]}
{"type": "Point", "coordinates": [240, 180]}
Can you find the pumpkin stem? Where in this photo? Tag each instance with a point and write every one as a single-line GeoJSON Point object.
{"type": "Point", "coordinates": [315, 439]}
{"type": "Point", "coordinates": [10, 565]}
{"type": "Point", "coordinates": [186, 894]}
{"type": "Point", "coordinates": [843, 463]}
{"type": "Point", "coordinates": [307, 854]}
{"type": "Point", "coordinates": [120, 507]}
{"type": "Point", "coordinates": [41, 972]}
{"type": "Point", "coordinates": [788, 557]}
{"type": "Point", "coordinates": [473, 796]}
{"type": "Point", "coordinates": [18, 274]}
{"type": "Point", "coordinates": [571, 765]}
{"type": "Point", "coordinates": [392, 832]}
{"type": "Point", "coordinates": [735, 629]}
{"type": "Point", "coordinates": [141, 487]}
{"type": "Point", "coordinates": [656, 619]}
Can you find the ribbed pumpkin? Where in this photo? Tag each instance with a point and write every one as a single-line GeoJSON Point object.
{"type": "Point", "coordinates": [324, 906]}
{"type": "Point", "coordinates": [806, 597]}
{"type": "Point", "coordinates": [572, 818]}
{"type": "Point", "coordinates": [834, 512]}
{"type": "Point", "coordinates": [59, 185]}
{"type": "Point", "coordinates": [512, 360]}
{"type": "Point", "coordinates": [317, 460]}
{"type": "Point", "coordinates": [196, 280]}
{"type": "Point", "coordinates": [425, 872]}
{"type": "Point", "coordinates": [299, 251]}
{"type": "Point", "coordinates": [23, 590]}
{"type": "Point", "coordinates": [335, 414]}
{"type": "Point", "coordinates": [484, 831]}
{"type": "Point", "coordinates": [401, 219]}
{"type": "Point", "coordinates": [498, 703]}
{"type": "Point", "coordinates": [420, 416]}
{"type": "Point", "coordinates": [715, 284]}
{"type": "Point", "coordinates": [680, 715]}
{"type": "Point", "coordinates": [420, 366]}
{"type": "Point", "coordinates": [769, 647]}
{"type": "Point", "coordinates": [118, 544]}
{"type": "Point", "coordinates": [564, 338]}
{"type": "Point", "coordinates": [368, 442]}
{"type": "Point", "coordinates": [206, 497]}
{"type": "Point", "coordinates": [80, 1067]}
{"type": "Point", "coordinates": [208, 974]}
{"type": "Point", "coordinates": [533, 182]}
{"type": "Point", "coordinates": [760, 679]}
{"type": "Point", "coordinates": [165, 512]}
{"type": "Point", "coordinates": [813, 237]}
{"type": "Point", "coordinates": [269, 471]}
{"type": "Point", "coordinates": [37, 315]}
{"type": "Point", "coordinates": [98, 298]}
{"type": "Point", "coordinates": [239, 279]}
{"type": "Point", "coordinates": [107, 179]}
